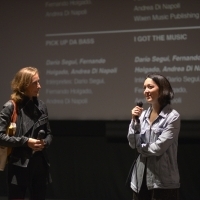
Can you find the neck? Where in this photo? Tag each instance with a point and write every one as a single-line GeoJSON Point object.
{"type": "Point", "coordinates": [154, 112]}
{"type": "Point", "coordinates": [156, 108]}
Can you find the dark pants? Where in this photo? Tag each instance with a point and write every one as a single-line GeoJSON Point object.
{"type": "Point", "coordinates": [156, 194]}
{"type": "Point", "coordinates": [32, 178]}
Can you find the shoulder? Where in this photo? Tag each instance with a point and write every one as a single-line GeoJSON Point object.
{"type": "Point", "coordinates": [175, 113]}
{"type": "Point", "coordinates": [8, 105]}
{"type": "Point", "coordinates": [169, 110]}
{"type": "Point", "coordinates": [8, 108]}
{"type": "Point", "coordinates": [170, 113]}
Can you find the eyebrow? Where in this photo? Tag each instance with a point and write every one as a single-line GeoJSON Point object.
{"type": "Point", "coordinates": [36, 81]}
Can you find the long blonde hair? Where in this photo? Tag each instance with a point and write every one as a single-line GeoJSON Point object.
{"type": "Point", "coordinates": [21, 81]}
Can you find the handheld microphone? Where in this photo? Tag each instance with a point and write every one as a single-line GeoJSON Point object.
{"type": "Point", "coordinates": [140, 104]}
{"type": "Point", "coordinates": [41, 135]}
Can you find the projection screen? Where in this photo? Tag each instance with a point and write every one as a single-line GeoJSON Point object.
{"type": "Point", "coordinates": [93, 55]}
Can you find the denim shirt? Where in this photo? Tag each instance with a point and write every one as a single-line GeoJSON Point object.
{"type": "Point", "coordinates": [157, 144]}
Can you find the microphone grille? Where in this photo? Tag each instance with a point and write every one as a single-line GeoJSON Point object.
{"type": "Point", "coordinates": [140, 103]}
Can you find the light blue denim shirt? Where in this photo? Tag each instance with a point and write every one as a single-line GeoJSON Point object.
{"type": "Point", "coordinates": [157, 144]}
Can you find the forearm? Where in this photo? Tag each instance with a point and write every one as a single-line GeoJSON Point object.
{"type": "Point", "coordinates": [133, 138]}
{"type": "Point", "coordinates": [12, 141]}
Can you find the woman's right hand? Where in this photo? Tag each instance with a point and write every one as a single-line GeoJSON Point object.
{"type": "Point", "coordinates": [136, 111]}
{"type": "Point", "coordinates": [36, 145]}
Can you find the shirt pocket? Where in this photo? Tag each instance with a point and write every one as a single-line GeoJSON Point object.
{"type": "Point", "coordinates": [143, 136]}
{"type": "Point", "coordinates": [156, 133]}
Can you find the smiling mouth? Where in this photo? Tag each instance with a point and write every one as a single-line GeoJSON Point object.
{"type": "Point", "coordinates": [147, 97]}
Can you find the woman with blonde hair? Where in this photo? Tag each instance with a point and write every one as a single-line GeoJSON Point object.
{"type": "Point", "coordinates": [28, 164]}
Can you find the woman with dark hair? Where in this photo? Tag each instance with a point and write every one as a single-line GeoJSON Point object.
{"type": "Point", "coordinates": [154, 133]}
{"type": "Point", "coordinates": [28, 164]}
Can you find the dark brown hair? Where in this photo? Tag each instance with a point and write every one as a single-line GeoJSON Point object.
{"type": "Point", "coordinates": [165, 90]}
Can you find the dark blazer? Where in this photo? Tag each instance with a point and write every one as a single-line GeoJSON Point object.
{"type": "Point", "coordinates": [32, 116]}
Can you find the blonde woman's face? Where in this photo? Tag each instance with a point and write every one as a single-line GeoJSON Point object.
{"type": "Point", "coordinates": [34, 87]}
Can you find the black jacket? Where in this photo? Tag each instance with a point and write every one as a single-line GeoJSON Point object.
{"type": "Point", "coordinates": [32, 116]}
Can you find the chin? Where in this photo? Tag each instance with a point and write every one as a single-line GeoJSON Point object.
{"type": "Point", "coordinates": [149, 101]}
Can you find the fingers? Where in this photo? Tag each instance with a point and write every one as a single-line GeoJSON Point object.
{"type": "Point", "coordinates": [136, 111]}
{"type": "Point", "coordinates": [36, 145]}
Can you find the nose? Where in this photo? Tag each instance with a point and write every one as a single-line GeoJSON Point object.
{"type": "Point", "coordinates": [145, 90]}
{"type": "Point", "coordinates": [38, 85]}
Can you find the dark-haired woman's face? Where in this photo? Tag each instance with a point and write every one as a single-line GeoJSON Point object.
{"type": "Point", "coordinates": [151, 91]}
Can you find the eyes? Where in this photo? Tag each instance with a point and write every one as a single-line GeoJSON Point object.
{"type": "Point", "coordinates": [148, 87]}
{"type": "Point", "coordinates": [35, 83]}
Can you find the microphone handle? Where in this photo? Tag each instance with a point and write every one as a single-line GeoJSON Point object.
{"type": "Point", "coordinates": [140, 104]}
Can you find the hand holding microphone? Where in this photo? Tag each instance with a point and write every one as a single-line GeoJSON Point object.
{"type": "Point", "coordinates": [41, 136]}
{"type": "Point", "coordinates": [37, 144]}
{"type": "Point", "coordinates": [136, 111]}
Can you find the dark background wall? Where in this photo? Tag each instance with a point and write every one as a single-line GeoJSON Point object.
{"type": "Point", "coordinates": [94, 166]}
